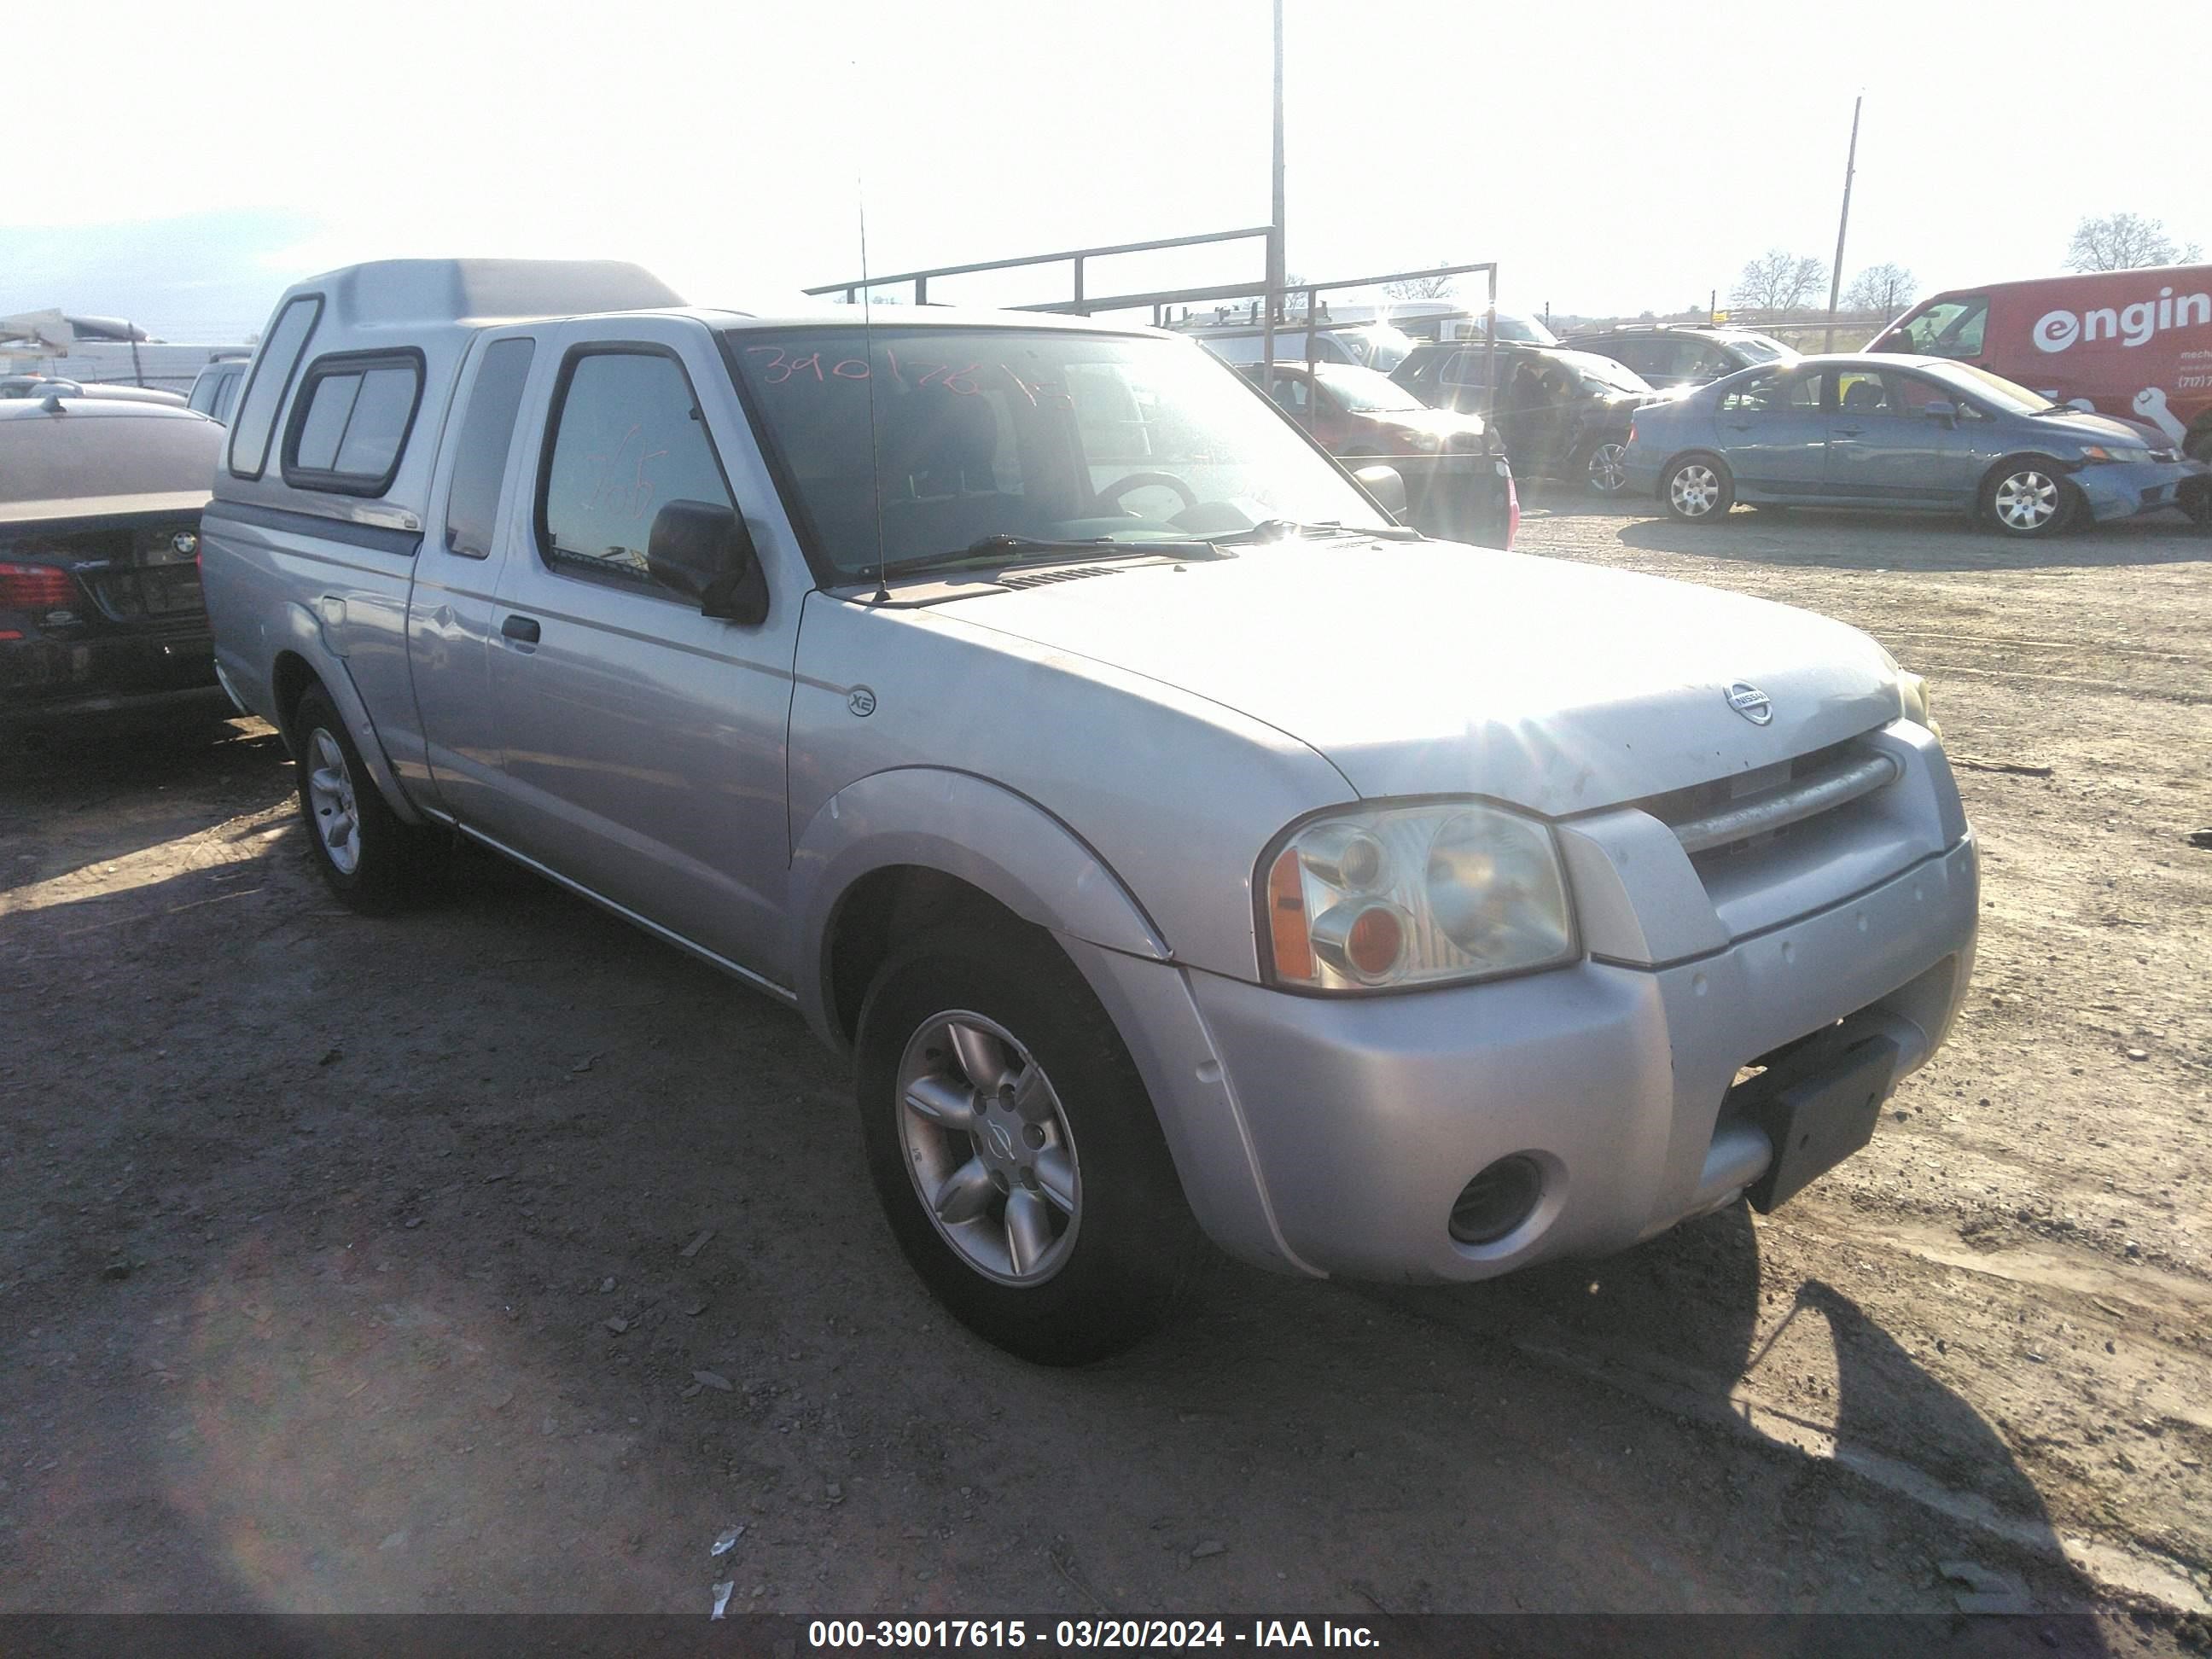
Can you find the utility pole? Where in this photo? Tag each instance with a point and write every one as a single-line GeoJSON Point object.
{"type": "Point", "coordinates": [1843, 224]}
{"type": "Point", "coordinates": [1275, 261]}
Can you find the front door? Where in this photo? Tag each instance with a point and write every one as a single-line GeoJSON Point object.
{"type": "Point", "coordinates": [642, 743]}
{"type": "Point", "coordinates": [1886, 447]}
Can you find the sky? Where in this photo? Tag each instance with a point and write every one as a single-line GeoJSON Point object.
{"type": "Point", "coordinates": [1609, 158]}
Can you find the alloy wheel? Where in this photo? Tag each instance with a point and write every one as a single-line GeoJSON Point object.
{"type": "Point", "coordinates": [330, 793]}
{"type": "Point", "coordinates": [1694, 490]}
{"type": "Point", "coordinates": [2028, 500]}
{"type": "Point", "coordinates": [1608, 468]}
{"type": "Point", "coordinates": [987, 1147]}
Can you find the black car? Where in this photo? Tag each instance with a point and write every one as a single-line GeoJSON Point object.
{"type": "Point", "coordinates": [100, 585]}
{"type": "Point", "coordinates": [1670, 355]}
{"type": "Point", "coordinates": [1562, 414]}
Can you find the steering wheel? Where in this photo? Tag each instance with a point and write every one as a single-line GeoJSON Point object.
{"type": "Point", "coordinates": [1112, 494]}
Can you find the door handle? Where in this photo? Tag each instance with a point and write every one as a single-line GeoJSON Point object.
{"type": "Point", "coordinates": [1740, 426]}
{"type": "Point", "coordinates": [520, 627]}
{"type": "Point", "coordinates": [1848, 431]}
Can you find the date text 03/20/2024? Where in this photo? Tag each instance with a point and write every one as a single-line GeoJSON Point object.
{"type": "Point", "coordinates": [824, 1634]}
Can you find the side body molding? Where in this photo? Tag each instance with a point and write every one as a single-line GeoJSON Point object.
{"type": "Point", "coordinates": [304, 637]}
{"type": "Point", "coordinates": [965, 826]}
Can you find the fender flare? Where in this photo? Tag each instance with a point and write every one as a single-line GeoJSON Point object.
{"type": "Point", "coordinates": [303, 636]}
{"type": "Point", "coordinates": [965, 826]}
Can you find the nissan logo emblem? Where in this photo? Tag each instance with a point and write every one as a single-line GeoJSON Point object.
{"type": "Point", "coordinates": [1751, 702]}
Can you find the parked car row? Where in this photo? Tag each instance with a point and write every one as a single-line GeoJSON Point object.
{"type": "Point", "coordinates": [1891, 431]}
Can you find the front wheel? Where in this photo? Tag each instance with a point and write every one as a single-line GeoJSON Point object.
{"type": "Point", "coordinates": [1698, 489]}
{"type": "Point", "coordinates": [2029, 498]}
{"type": "Point", "coordinates": [1015, 1150]}
{"type": "Point", "coordinates": [1607, 469]}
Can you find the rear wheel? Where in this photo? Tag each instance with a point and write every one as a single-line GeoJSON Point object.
{"type": "Point", "coordinates": [2029, 497]}
{"type": "Point", "coordinates": [1015, 1150]}
{"type": "Point", "coordinates": [1698, 488]}
{"type": "Point", "coordinates": [370, 860]}
{"type": "Point", "coordinates": [1607, 469]}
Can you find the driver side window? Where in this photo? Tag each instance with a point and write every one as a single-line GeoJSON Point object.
{"type": "Point", "coordinates": [1952, 329]}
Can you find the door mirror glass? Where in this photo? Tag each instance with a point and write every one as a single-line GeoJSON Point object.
{"type": "Point", "coordinates": [702, 550]}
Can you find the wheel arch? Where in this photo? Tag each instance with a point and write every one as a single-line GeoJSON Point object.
{"type": "Point", "coordinates": [1692, 453]}
{"type": "Point", "coordinates": [906, 848]}
{"type": "Point", "coordinates": [2198, 444]}
{"type": "Point", "coordinates": [301, 659]}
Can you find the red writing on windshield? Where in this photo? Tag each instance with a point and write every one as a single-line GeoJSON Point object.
{"type": "Point", "coordinates": [783, 369]}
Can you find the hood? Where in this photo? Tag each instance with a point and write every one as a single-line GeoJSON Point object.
{"type": "Point", "coordinates": [1430, 668]}
{"type": "Point", "coordinates": [2085, 429]}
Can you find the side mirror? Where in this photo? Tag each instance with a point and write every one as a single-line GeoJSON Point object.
{"type": "Point", "coordinates": [704, 551]}
{"type": "Point", "coordinates": [1943, 411]}
{"type": "Point", "coordinates": [1386, 485]}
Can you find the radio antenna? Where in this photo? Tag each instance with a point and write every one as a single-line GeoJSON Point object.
{"type": "Point", "coordinates": [868, 356]}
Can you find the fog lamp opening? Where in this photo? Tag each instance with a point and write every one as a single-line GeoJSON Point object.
{"type": "Point", "coordinates": [1498, 1201]}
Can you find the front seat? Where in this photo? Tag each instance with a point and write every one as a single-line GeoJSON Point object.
{"type": "Point", "coordinates": [1865, 397]}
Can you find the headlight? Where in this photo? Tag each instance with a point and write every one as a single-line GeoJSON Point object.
{"type": "Point", "coordinates": [1383, 897]}
{"type": "Point", "coordinates": [2099, 453]}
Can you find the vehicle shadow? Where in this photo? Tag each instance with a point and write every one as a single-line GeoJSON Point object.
{"type": "Point", "coordinates": [493, 1256]}
{"type": "Point", "coordinates": [92, 796]}
{"type": "Point", "coordinates": [1694, 1324]}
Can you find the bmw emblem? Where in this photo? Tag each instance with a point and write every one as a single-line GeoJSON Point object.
{"type": "Point", "coordinates": [1751, 702]}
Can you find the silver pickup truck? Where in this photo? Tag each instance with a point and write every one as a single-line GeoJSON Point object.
{"type": "Point", "coordinates": [1182, 850]}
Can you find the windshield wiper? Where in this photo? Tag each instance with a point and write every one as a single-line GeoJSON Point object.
{"type": "Point", "coordinates": [1007, 548]}
{"type": "Point", "coordinates": [1275, 530]}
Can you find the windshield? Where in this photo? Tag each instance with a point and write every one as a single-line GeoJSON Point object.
{"type": "Point", "coordinates": [1758, 348]}
{"type": "Point", "coordinates": [1604, 371]}
{"type": "Point", "coordinates": [2008, 395]}
{"type": "Point", "coordinates": [1034, 434]}
{"type": "Point", "coordinates": [1379, 347]}
{"type": "Point", "coordinates": [1364, 391]}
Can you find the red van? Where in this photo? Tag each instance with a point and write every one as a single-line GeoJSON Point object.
{"type": "Point", "coordinates": [2135, 344]}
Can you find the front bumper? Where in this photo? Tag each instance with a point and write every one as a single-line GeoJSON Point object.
{"type": "Point", "coordinates": [1331, 1136]}
{"type": "Point", "coordinates": [48, 679]}
{"type": "Point", "coordinates": [2123, 489]}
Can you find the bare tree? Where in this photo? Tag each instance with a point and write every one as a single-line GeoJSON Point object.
{"type": "Point", "coordinates": [2124, 241]}
{"type": "Point", "coordinates": [1779, 281]}
{"type": "Point", "coordinates": [1423, 287]}
{"type": "Point", "coordinates": [1887, 289]}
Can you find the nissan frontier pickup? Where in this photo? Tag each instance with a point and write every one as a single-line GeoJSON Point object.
{"type": "Point", "coordinates": [1185, 853]}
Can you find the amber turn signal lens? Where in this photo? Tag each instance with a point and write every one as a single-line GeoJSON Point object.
{"type": "Point", "coordinates": [1286, 917]}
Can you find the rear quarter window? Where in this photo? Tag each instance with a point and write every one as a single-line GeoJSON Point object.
{"type": "Point", "coordinates": [350, 421]}
{"type": "Point", "coordinates": [271, 379]}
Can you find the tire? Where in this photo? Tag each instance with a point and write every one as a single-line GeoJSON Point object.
{"type": "Point", "coordinates": [1698, 489]}
{"type": "Point", "coordinates": [1059, 1232]}
{"type": "Point", "coordinates": [368, 857]}
{"type": "Point", "coordinates": [2028, 497]}
{"type": "Point", "coordinates": [1605, 469]}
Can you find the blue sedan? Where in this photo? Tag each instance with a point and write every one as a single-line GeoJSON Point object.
{"type": "Point", "coordinates": [1902, 432]}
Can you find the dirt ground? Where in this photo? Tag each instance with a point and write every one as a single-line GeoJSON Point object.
{"type": "Point", "coordinates": [351, 1264]}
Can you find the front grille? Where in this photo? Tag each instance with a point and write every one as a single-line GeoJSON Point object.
{"type": "Point", "coordinates": [1754, 810]}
